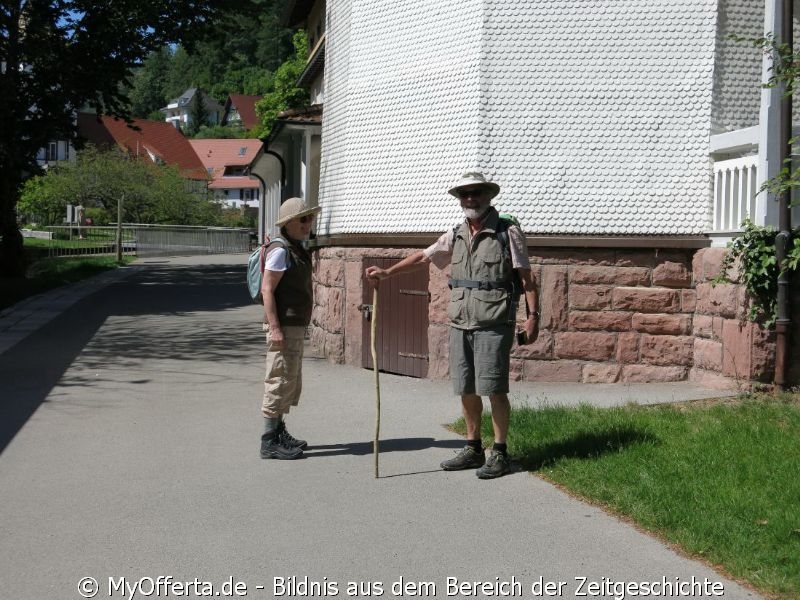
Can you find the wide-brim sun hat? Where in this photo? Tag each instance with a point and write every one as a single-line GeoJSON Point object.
{"type": "Point", "coordinates": [294, 208]}
{"type": "Point", "coordinates": [474, 178]}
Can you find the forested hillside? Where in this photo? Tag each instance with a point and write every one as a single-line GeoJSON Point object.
{"type": "Point", "coordinates": [243, 62]}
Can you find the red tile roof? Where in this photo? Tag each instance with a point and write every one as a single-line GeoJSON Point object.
{"type": "Point", "coordinates": [246, 107]}
{"type": "Point", "coordinates": [218, 154]}
{"type": "Point", "coordinates": [158, 138]}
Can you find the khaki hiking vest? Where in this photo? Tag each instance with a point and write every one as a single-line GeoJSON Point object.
{"type": "Point", "coordinates": [480, 278]}
{"type": "Point", "coordinates": [293, 296]}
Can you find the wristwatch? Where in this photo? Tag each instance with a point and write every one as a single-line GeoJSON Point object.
{"type": "Point", "coordinates": [535, 313]}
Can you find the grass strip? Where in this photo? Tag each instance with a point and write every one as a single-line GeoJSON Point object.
{"type": "Point", "coordinates": [49, 273]}
{"type": "Point", "coordinates": [718, 479]}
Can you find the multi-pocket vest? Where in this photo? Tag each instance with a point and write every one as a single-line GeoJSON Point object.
{"type": "Point", "coordinates": [294, 298]}
{"type": "Point", "coordinates": [480, 279]}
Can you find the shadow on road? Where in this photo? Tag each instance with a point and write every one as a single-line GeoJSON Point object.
{"type": "Point", "coordinates": [120, 324]}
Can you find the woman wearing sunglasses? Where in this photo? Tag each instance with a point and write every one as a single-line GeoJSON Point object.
{"type": "Point", "coordinates": [288, 300]}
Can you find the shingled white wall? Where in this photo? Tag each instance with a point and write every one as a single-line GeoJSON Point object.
{"type": "Point", "coordinates": [402, 112]}
{"type": "Point", "coordinates": [593, 115]}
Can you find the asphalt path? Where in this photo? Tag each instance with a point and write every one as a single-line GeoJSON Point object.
{"type": "Point", "coordinates": [129, 467]}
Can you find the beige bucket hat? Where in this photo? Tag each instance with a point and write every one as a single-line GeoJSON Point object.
{"type": "Point", "coordinates": [294, 208]}
{"type": "Point", "coordinates": [474, 178]}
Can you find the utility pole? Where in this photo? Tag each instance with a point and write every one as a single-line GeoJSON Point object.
{"type": "Point", "coordinates": [783, 238]}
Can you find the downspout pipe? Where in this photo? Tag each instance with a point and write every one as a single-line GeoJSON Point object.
{"type": "Point", "coordinates": [783, 238]}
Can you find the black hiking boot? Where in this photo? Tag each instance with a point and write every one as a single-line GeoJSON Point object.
{"type": "Point", "coordinates": [497, 466]}
{"type": "Point", "coordinates": [272, 447]}
{"type": "Point", "coordinates": [287, 439]}
{"type": "Point", "coordinates": [468, 458]}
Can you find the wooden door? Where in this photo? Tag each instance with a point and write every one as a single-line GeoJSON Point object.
{"type": "Point", "coordinates": [402, 329]}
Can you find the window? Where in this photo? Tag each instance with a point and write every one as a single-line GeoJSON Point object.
{"type": "Point", "coordinates": [52, 152]}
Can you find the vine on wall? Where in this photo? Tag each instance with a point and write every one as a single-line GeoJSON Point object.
{"type": "Point", "coordinates": [754, 250]}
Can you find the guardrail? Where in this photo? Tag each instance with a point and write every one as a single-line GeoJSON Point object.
{"type": "Point", "coordinates": [148, 240]}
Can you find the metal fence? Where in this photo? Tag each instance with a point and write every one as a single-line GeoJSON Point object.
{"type": "Point", "coordinates": [148, 240]}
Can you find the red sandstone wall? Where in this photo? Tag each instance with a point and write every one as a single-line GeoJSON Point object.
{"type": "Point", "coordinates": [607, 316]}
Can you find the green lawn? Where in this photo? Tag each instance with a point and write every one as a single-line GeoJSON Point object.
{"type": "Point", "coordinates": [719, 479]}
{"type": "Point", "coordinates": [48, 273]}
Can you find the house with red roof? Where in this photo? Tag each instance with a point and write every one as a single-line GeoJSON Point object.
{"type": "Point", "coordinates": [229, 163]}
{"type": "Point", "coordinates": [157, 141]}
{"type": "Point", "coordinates": [240, 109]}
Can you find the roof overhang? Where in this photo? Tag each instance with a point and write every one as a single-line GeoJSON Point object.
{"type": "Point", "coordinates": [314, 67]}
{"type": "Point", "coordinates": [297, 120]}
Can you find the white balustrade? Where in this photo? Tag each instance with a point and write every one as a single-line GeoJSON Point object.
{"type": "Point", "coordinates": [735, 189]}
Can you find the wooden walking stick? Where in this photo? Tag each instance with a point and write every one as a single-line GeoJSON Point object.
{"type": "Point", "coordinates": [373, 326]}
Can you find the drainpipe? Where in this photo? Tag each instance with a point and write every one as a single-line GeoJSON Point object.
{"type": "Point", "coordinates": [782, 240]}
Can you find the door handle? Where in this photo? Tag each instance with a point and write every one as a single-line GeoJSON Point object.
{"type": "Point", "coordinates": [366, 310]}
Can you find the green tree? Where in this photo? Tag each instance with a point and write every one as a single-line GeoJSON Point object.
{"type": "Point", "coordinates": [98, 179]}
{"type": "Point", "coordinates": [147, 92]}
{"type": "Point", "coordinates": [198, 113]}
{"type": "Point", "coordinates": [284, 94]}
{"type": "Point", "coordinates": [58, 56]}
{"type": "Point", "coordinates": [241, 62]}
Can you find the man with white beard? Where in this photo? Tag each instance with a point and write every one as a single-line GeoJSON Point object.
{"type": "Point", "coordinates": [482, 313]}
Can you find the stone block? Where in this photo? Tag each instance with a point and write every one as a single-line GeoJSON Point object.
{"type": "Point", "coordinates": [635, 258]}
{"type": "Point", "coordinates": [585, 345]}
{"type": "Point", "coordinates": [599, 275]}
{"type": "Point", "coordinates": [703, 326]}
{"type": "Point", "coordinates": [572, 256]}
{"type": "Point", "coordinates": [516, 369]}
{"type": "Point", "coordinates": [438, 351]}
{"type": "Point", "coordinates": [330, 272]}
{"type": "Point", "coordinates": [737, 341]}
{"type": "Point", "coordinates": [601, 373]}
{"type": "Point", "coordinates": [440, 297]}
{"type": "Point", "coordinates": [707, 263]}
{"type": "Point", "coordinates": [652, 374]}
{"type": "Point", "coordinates": [646, 300]}
{"type": "Point", "coordinates": [762, 367]}
{"type": "Point", "coordinates": [688, 301]}
{"type": "Point", "coordinates": [672, 274]}
{"type": "Point", "coordinates": [541, 349]}
{"type": "Point", "coordinates": [708, 354]}
{"type": "Point", "coordinates": [599, 320]}
{"type": "Point", "coordinates": [665, 350]}
{"type": "Point", "coordinates": [724, 299]}
{"type": "Point", "coordinates": [329, 308]}
{"type": "Point", "coordinates": [553, 300]}
{"type": "Point", "coordinates": [628, 347]}
{"type": "Point", "coordinates": [662, 324]}
{"type": "Point", "coordinates": [590, 297]}
{"type": "Point", "coordinates": [553, 370]}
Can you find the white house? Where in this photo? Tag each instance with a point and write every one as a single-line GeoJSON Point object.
{"type": "Point", "coordinates": [228, 163]}
{"type": "Point", "coordinates": [628, 136]}
{"type": "Point", "coordinates": [179, 110]}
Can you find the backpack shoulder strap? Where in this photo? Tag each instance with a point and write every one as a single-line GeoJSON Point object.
{"type": "Point", "coordinates": [502, 235]}
{"type": "Point", "coordinates": [278, 242]}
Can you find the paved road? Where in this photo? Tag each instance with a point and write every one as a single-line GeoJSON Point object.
{"type": "Point", "coordinates": [129, 434]}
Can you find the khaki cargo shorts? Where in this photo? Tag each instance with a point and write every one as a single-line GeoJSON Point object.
{"type": "Point", "coordinates": [283, 381]}
{"type": "Point", "coordinates": [480, 359]}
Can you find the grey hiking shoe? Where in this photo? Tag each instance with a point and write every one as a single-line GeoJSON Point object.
{"type": "Point", "coordinates": [287, 439]}
{"type": "Point", "coordinates": [467, 458]}
{"type": "Point", "coordinates": [497, 466]}
{"type": "Point", "coordinates": [273, 447]}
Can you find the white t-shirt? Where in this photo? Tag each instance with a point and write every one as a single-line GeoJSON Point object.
{"type": "Point", "coordinates": [277, 259]}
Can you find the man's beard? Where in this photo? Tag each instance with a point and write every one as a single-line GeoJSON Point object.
{"type": "Point", "coordinates": [475, 213]}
